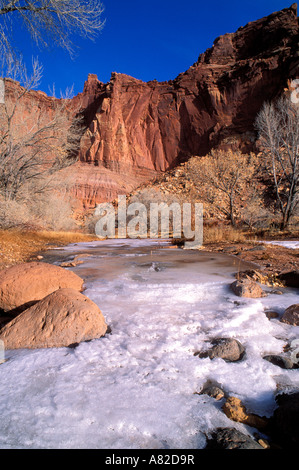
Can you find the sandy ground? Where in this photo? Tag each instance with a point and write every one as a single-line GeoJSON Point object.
{"type": "Point", "coordinates": [270, 259]}
{"type": "Point", "coordinates": [20, 247]}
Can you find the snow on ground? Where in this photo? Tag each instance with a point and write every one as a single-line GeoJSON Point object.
{"type": "Point", "coordinates": [135, 388]}
{"type": "Point", "coordinates": [293, 244]}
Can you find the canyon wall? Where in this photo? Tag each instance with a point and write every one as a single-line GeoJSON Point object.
{"type": "Point", "coordinates": [135, 130]}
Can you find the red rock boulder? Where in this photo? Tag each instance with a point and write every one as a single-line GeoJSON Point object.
{"type": "Point", "coordinates": [61, 319]}
{"type": "Point", "coordinates": [25, 283]}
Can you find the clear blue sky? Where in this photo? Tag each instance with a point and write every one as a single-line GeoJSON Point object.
{"type": "Point", "coordinates": [156, 39]}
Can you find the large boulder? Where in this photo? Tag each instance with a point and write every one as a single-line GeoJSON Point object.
{"type": "Point", "coordinates": [63, 318]}
{"type": "Point", "coordinates": [25, 283]}
{"type": "Point", "coordinates": [291, 315]}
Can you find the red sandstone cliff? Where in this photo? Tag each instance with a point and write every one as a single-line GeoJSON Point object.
{"type": "Point", "coordinates": [136, 130]}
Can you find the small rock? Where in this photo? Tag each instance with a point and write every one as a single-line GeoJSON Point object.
{"type": "Point", "coordinates": [73, 262]}
{"type": "Point", "coordinates": [265, 444]}
{"type": "Point", "coordinates": [291, 315]}
{"type": "Point", "coordinates": [235, 410]}
{"type": "Point", "coordinates": [247, 288]}
{"type": "Point", "coordinates": [257, 248]}
{"type": "Point", "coordinates": [212, 391]}
{"type": "Point", "coordinates": [230, 438]}
{"type": "Point", "coordinates": [70, 264]}
{"type": "Point", "coordinates": [276, 292]}
{"type": "Point", "coordinates": [229, 249]}
{"type": "Point", "coordinates": [280, 361]}
{"type": "Point", "coordinates": [270, 314]}
{"type": "Point", "coordinates": [229, 349]}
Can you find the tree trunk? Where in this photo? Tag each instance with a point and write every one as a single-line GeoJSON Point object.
{"type": "Point", "coordinates": [232, 217]}
{"type": "Point", "coordinates": [285, 220]}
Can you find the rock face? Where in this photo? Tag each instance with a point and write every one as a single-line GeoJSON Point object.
{"type": "Point", "coordinates": [29, 282]}
{"type": "Point", "coordinates": [136, 130]}
{"type": "Point", "coordinates": [60, 319]}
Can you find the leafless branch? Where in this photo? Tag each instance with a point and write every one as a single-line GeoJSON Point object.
{"type": "Point", "coordinates": [34, 147]}
{"type": "Point", "coordinates": [52, 20]}
{"type": "Point", "coordinates": [278, 127]}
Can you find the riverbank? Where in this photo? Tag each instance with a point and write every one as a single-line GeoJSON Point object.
{"type": "Point", "coordinates": [270, 259]}
{"type": "Point", "coordinates": [18, 246]}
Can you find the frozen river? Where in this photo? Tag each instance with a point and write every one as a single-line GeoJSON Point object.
{"type": "Point", "coordinates": [136, 387]}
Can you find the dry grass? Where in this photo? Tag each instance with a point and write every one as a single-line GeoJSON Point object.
{"type": "Point", "coordinates": [221, 234]}
{"type": "Point", "coordinates": [21, 246]}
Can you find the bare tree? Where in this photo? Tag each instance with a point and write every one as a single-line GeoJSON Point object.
{"type": "Point", "coordinates": [33, 147]}
{"type": "Point", "coordinates": [278, 127]}
{"type": "Point", "coordinates": [51, 20]}
{"type": "Point", "coordinates": [222, 178]}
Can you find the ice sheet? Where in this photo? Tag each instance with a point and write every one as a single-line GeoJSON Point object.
{"type": "Point", "coordinates": [136, 387]}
